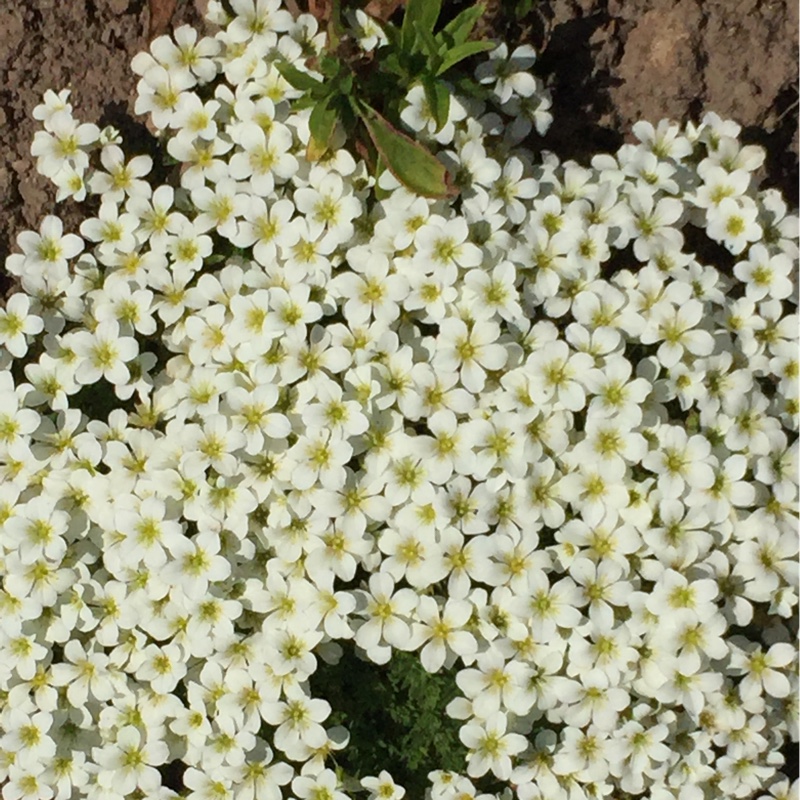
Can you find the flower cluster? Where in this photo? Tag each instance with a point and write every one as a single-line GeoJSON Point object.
{"type": "Point", "coordinates": [544, 433]}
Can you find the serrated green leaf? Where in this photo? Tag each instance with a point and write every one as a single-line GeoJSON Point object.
{"type": "Point", "coordinates": [299, 79]}
{"type": "Point", "coordinates": [461, 27]}
{"type": "Point", "coordinates": [462, 51]}
{"type": "Point", "coordinates": [419, 12]}
{"type": "Point", "coordinates": [413, 165]}
{"type": "Point", "coordinates": [438, 98]}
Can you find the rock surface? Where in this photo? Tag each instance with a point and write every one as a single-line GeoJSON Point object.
{"type": "Point", "coordinates": [609, 63]}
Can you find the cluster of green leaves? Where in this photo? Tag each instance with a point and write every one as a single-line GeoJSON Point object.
{"type": "Point", "coordinates": [395, 714]}
{"type": "Point", "coordinates": [365, 92]}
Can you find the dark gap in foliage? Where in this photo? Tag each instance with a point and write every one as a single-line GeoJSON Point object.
{"type": "Point", "coordinates": [395, 714]}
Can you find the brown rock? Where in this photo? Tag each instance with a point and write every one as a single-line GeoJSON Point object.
{"type": "Point", "coordinates": [661, 49]}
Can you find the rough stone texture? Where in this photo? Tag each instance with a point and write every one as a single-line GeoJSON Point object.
{"type": "Point", "coordinates": [608, 63]}
{"type": "Point", "coordinates": [83, 45]}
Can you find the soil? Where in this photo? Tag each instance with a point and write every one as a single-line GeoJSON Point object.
{"type": "Point", "coordinates": [607, 62]}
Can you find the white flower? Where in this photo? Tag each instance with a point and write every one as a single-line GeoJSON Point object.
{"type": "Point", "coordinates": [293, 308]}
{"type": "Point", "coordinates": [677, 328]}
{"type": "Point", "coordinates": [417, 115]}
{"type": "Point", "coordinates": [188, 247]}
{"type": "Point", "coordinates": [441, 629]}
{"type": "Point", "coordinates": [46, 252]}
{"type": "Point", "coordinates": [761, 669]}
{"type": "Point", "coordinates": [328, 202]}
{"type": "Point", "coordinates": [299, 720]}
{"type": "Point", "coordinates": [320, 456]}
{"type": "Point", "coordinates": [219, 207]}
{"type": "Point", "coordinates": [371, 292]}
{"type": "Point", "coordinates": [51, 103]}
{"type": "Point", "coordinates": [200, 160]}
{"type": "Point", "coordinates": [27, 736]}
{"type": "Point", "coordinates": [195, 119]}
{"type": "Point", "coordinates": [765, 274]}
{"type": "Point", "coordinates": [370, 35]}
{"type": "Point", "coordinates": [161, 667]}
{"type": "Point", "coordinates": [665, 140]}
{"type": "Point", "coordinates": [129, 762]}
{"type": "Point", "coordinates": [508, 73]}
{"type": "Point", "coordinates": [64, 142]}
{"type": "Point", "coordinates": [196, 563]}
{"type": "Point", "coordinates": [388, 613]}
{"type": "Point", "coordinates": [494, 685]}
{"type": "Point", "coordinates": [17, 323]}
{"type": "Point", "coordinates": [206, 787]}
{"type": "Point", "coordinates": [263, 158]}
{"type": "Point", "coordinates": [383, 787]}
{"type": "Point", "coordinates": [444, 244]}
{"type": "Point", "coordinates": [680, 461]}
{"type": "Point", "coordinates": [490, 746]}
{"type": "Point", "coordinates": [651, 223]}
{"type": "Point", "coordinates": [493, 293]}
{"type": "Point", "coordinates": [471, 351]}
{"type": "Point", "coordinates": [159, 91]}
{"type": "Point", "coordinates": [88, 672]}
{"type": "Point", "coordinates": [258, 19]}
{"type": "Point", "coordinates": [26, 783]}
{"type": "Point", "coordinates": [632, 749]}
{"type": "Point", "coordinates": [557, 374]}
{"type": "Point", "coordinates": [104, 354]}
{"type": "Point", "coordinates": [266, 229]}
{"type": "Point", "coordinates": [121, 179]}
{"type": "Point", "coordinates": [323, 786]}
{"type": "Point", "coordinates": [130, 307]}
{"type": "Point", "coordinates": [734, 223]}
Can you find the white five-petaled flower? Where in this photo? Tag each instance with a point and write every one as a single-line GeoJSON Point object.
{"type": "Point", "coordinates": [491, 746]}
{"type": "Point", "coordinates": [104, 354]}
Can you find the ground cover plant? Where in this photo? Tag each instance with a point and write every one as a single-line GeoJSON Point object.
{"type": "Point", "coordinates": [320, 482]}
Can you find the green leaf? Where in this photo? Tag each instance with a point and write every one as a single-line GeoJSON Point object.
{"type": "Point", "coordinates": [391, 63]}
{"type": "Point", "coordinates": [299, 79]}
{"type": "Point", "coordinates": [393, 35]}
{"type": "Point", "coordinates": [335, 27]}
{"type": "Point", "coordinates": [428, 45]}
{"type": "Point", "coordinates": [523, 8]}
{"type": "Point", "coordinates": [461, 27]}
{"type": "Point", "coordinates": [468, 86]}
{"type": "Point", "coordinates": [438, 98]}
{"type": "Point", "coordinates": [320, 125]}
{"type": "Point", "coordinates": [345, 84]}
{"type": "Point", "coordinates": [306, 101]}
{"type": "Point", "coordinates": [330, 66]}
{"type": "Point", "coordinates": [413, 165]}
{"type": "Point", "coordinates": [419, 12]}
{"type": "Point", "coordinates": [462, 51]}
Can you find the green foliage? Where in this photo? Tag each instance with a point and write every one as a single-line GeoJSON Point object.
{"type": "Point", "coordinates": [396, 717]}
{"type": "Point", "coordinates": [408, 161]}
{"type": "Point", "coordinates": [520, 8]}
{"type": "Point", "coordinates": [364, 92]}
